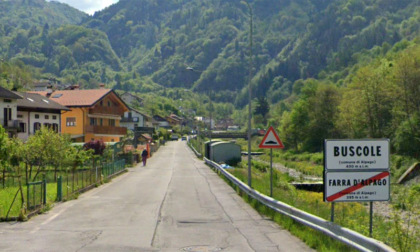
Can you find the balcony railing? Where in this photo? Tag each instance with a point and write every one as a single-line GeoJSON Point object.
{"type": "Point", "coordinates": [107, 110]}
{"type": "Point", "coordinates": [106, 130]}
{"type": "Point", "coordinates": [12, 125]}
{"type": "Point", "coordinates": [130, 119]}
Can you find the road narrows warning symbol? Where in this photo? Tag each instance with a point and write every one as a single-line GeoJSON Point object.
{"type": "Point", "coordinates": [271, 140]}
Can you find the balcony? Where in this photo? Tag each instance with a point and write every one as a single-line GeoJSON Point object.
{"type": "Point", "coordinates": [107, 110]}
{"type": "Point", "coordinates": [106, 130]}
{"type": "Point", "coordinates": [12, 125]}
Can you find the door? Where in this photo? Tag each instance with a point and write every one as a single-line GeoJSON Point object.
{"type": "Point", "coordinates": [7, 114]}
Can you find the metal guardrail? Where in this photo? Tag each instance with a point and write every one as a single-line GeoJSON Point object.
{"type": "Point", "coordinates": [198, 154]}
{"type": "Point", "coordinates": [347, 236]}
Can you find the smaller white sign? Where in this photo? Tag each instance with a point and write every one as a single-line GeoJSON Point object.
{"type": "Point", "coordinates": [357, 154]}
{"type": "Point", "coordinates": [356, 186]}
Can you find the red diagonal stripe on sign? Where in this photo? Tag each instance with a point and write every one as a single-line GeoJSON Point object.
{"type": "Point", "coordinates": [357, 187]}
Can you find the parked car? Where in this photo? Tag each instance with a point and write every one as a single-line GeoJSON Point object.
{"type": "Point", "coordinates": [184, 138]}
{"type": "Point", "coordinates": [174, 137]}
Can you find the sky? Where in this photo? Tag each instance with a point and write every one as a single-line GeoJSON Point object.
{"type": "Point", "coordinates": [88, 6]}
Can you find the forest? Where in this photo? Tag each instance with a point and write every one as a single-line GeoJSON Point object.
{"type": "Point", "coordinates": [318, 69]}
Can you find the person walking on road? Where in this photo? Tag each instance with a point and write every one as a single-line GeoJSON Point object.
{"type": "Point", "coordinates": [144, 155]}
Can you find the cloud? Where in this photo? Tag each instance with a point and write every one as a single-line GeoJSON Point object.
{"type": "Point", "coordinates": [88, 6]}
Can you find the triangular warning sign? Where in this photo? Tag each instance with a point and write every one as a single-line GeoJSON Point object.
{"type": "Point", "coordinates": [271, 140]}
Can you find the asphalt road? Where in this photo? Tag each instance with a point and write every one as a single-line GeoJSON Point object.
{"type": "Point", "coordinates": [175, 203]}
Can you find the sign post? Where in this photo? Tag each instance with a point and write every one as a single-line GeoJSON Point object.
{"type": "Point", "coordinates": [356, 171]}
{"type": "Point", "coordinates": [271, 141]}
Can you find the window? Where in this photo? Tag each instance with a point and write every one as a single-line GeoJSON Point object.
{"type": "Point", "coordinates": [22, 127]}
{"type": "Point", "coordinates": [111, 122]}
{"type": "Point", "coordinates": [47, 117]}
{"type": "Point", "coordinates": [7, 101]}
{"type": "Point", "coordinates": [93, 121]}
{"type": "Point", "coordinates": [101, 122]}
{"type": "Point", "coordinates": [57, 95]}
{"type": "Point", "coordinates": [36, 116]}
{"type": "Point", "coordinates": [109, 104]}
{"type": "Point", "coordinates": [71, 121]}
{"type": "Point", "coordinates": [37, 126]}
{"type": "Point", "coordinates": [19, 116]}
{"type": "Point", "coordinates": [54, 117]}
{"type": "Point", "coordinates": [47, 125]}
{"type": "Point", "coordinates": [101, 103]}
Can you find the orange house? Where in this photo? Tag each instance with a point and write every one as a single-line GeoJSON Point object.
{"type": "Point", "coordinates": [95, 114]}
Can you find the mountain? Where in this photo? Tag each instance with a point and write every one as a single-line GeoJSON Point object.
{"type": "Point", "coordinates": [204, 45]}
{"type": "Point", "coordinates": [48, 36]}
{"type": "Point", "coordinates": [291, 39]}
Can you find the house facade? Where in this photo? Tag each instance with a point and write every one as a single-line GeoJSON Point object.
{"type": "Point", "coordinates": [174, 120]}
{"type": "Point", "coordinates": [8, 111]}
{"type": "Point", "coordinates": [34, 111]}
{"type": "Point", "coordinates": [161, 122]}
{"type": "Point", "coordinates": [94, 114]}
{"type": "Point", "coordinates": [134, 118]}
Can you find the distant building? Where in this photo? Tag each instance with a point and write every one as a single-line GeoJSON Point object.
{"type": "Point", "coordinates": [132, 100]}
{"type": "Point", "coordinates": [43, 85]}
{"type": "Point", "coordinates": [233, 128]}
{"type": "Point", "coordinates": [8, 111]}
{"type": "Point", "coordinates": [161, 122]}
{"type": "Point", "coordinates": [174, 120]}
{"type": "Point", "coordinates": [134, 118]}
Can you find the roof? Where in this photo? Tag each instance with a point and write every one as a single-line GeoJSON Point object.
{"type": "Point", "coordinates": [141, 113]}
{"type": "Point", "coordinates": [130, 94]}
{"type": "Point", "coordinates": [31, 100]}
{"type": "Point", "coordinates": [159, 118]}
{"type": "Point", "coordinates": [176, 117]}
{"type": "Point", "coordinates": [5, 93]}
{"type": "Point", "coordinates": [77, 98]}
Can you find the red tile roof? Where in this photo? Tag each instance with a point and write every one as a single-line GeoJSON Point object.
{"type": "Point", "coordinates": [77, 98]}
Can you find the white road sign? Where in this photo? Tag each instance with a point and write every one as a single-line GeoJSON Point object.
{"type": "Point", "coordinates": [356, 186]}
{"type": "Point", "coordinates": [357, 154]}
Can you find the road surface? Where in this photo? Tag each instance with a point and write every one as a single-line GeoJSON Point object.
{"type": "Point", "coordinates": [175, 203]}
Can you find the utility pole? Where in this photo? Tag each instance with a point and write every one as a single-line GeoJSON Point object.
{"type": "Point", "coordinates": [249, 92]}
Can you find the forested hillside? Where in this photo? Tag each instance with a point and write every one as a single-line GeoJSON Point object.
{"type": "Point", "coordinates": [134, 43]}
{"type": "Point", "coordinates": [321, 69]}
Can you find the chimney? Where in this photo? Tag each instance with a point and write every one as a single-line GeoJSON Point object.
{"type": "Point", "coordinates": [75, 87]}
{"type": "Point", "coordinates": [101, 86]}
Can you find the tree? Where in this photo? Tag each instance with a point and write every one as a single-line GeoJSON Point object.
{"type": "Point", "coordinates": [368, 101]}
{"type": "Point", "coordinates": [262, 108]}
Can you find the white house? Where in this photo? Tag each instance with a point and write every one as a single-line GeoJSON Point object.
{"type": "Point", "coordinates": [34, 111]}
{"type": "Point", "coordinates": [132, 119]}
{"type": "Point", "coordinates": [8, 111]}
{"type": "Point", "coordinates": [161, 122]}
